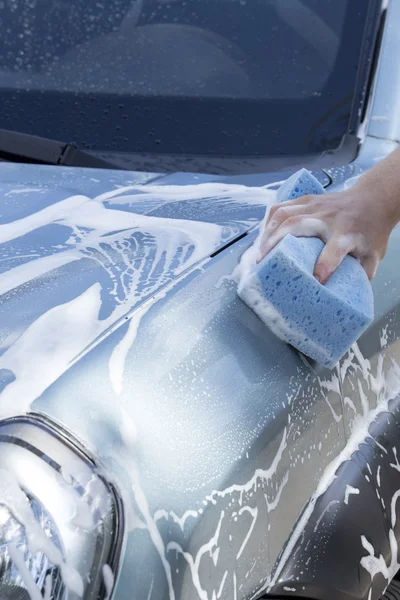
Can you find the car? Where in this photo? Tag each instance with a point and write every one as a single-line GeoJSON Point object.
{"type": "Point", "coordinates": [157, 441]}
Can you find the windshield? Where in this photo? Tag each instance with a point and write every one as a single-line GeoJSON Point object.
{"type": "Point", "coordinates": [234, 79]}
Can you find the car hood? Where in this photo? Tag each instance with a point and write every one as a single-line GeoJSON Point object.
{"type": "Point", "coordinates": [119, 322]}
{"type": "Point", "coordinates": [82, 249]}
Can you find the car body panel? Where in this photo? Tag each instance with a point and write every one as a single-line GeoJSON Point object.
{"type": "Point", "coordinates": [356, 507]}
{"type": "Point", "coordinates": [130, 241]}
{"type": "Point", "coordinates": [209, 507]}
{"type": "Point", "coordinates": [206, 487]}
{"type": "Point", "coordinates": [128, 234]}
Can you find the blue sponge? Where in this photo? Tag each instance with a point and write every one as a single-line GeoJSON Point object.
{"type": "Point", "coordinates": [322, 321]}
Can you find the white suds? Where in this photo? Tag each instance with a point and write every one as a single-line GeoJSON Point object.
{"type": "Point", "coordinates": [108, 577]}
{"type": "Point", "coordinates": [18, 558]}
{"type": "Point", "coordinates": [140, 254]}
{"type": "Point", "coordinates": [350, 490]}
{"type": "Point", "coordinates": [14, 499]}
{"type": "Point", "coordinates": [376, 564]}
{"type": "Point", "coordinates": [384, 337]}
{"type": "Point", "coordinates": [52, 342]}
{"type": "Point", "coordinates": [33, 269]}
{"type": "Point", "coordinates": [119, 354]}
{"type": "Point", "coordinates": [378, 476]}
{"type": "Point", "coordinates": [358, 435]}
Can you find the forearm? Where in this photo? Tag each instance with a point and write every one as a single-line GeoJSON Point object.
{"type": "Point", "coordinates": [382, 183]}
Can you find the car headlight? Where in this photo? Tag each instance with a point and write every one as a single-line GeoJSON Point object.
{"type": "Point", "coordinates": [59, 519]}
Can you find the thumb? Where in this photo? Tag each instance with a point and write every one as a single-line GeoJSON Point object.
{"type": "Point", "coordinates": [330, 258]}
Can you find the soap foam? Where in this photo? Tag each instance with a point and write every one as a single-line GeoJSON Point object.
{"type": "Point", "coordinates": [162, 249]}
{"type": "Point", "coordinates": [108, 577]}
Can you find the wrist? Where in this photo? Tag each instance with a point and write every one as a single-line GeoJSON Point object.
{"type": "Point", "coordinates": [380, 201]}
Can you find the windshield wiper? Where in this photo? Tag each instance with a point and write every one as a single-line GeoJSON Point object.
{"type": "Point", "coordinates": [26, 148]}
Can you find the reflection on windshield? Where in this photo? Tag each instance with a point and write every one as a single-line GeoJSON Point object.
{"type": "Point", "coordinates": [202, 48]}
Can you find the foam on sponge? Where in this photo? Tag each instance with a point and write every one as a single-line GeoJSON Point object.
{"type": "Point", "coordinates": [322, 321]}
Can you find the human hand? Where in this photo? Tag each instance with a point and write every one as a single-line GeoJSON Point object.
{"type": "Point", "coordinates": [352, 222]}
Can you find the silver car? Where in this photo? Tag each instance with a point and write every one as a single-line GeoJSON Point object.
{"type": "Point", "coordinates": [157, 441]}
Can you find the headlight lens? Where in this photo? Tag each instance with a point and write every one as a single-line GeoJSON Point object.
{"type": "Point", "coordinates": [13, 543]}
{"type": "Point", "coordinates": [59, 519]}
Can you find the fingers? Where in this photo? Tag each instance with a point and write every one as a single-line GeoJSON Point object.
{"type": "Point", "coordinates": [274, 209]}
{"type": "Point", "coordinates": [281, 214]}
{"type": "Point", "coordinates": [283, 206]}
{"type": "Point", "coordinates": [331, 257]}
{"type": "Point", "coordinates": [298, 226]}
{"type": "Point", "coordinates": [370, 264]}
{"type": "Point", "coordinates": [342, 226]}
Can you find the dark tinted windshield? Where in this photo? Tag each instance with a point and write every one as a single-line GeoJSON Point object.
{"type": "Point", "coordinates": [215, 78]}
